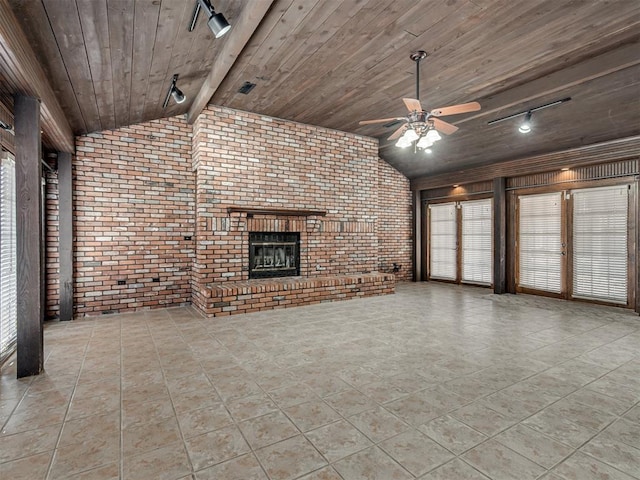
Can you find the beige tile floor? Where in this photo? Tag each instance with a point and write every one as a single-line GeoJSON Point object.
{"type": "Point", "coordinates": [434, 382]}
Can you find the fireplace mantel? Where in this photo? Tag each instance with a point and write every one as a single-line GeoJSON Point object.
{"type": "Point", "coordinates": [277, 211]}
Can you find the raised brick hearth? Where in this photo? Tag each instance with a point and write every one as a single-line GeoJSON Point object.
{"type": "Point", "coordinates": [227, 298]}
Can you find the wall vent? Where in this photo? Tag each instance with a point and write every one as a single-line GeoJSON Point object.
{"type": "Point", "coordinates": [246, 88]}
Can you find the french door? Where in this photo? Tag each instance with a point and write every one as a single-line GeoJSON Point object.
{"type": "Point", "coordinates": [443, 241]}
{"type": "Point", "coordinates": [574, 244]}
{"type": "Point", "coordinates": [541, 246]}
{"type": "Point", "coordinates": [460, 242]}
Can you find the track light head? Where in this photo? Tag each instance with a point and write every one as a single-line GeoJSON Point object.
{"type": "Point", "coordinates": [525, 126]}
{"type": "Point", "coordinates": [177, 95]}
{"type": "Point", "coordinates": [174, 92]}
{"type": "Point", "coordinates": [218, 24]}
{"type": "Point", "coordinates": [7, 127]}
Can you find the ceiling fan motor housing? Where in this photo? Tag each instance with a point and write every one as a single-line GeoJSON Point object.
{"type": "Point", "coordinates": [418, 55]}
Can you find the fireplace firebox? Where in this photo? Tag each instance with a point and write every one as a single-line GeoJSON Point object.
{"type": "Point", "coordinates": [274, 254]}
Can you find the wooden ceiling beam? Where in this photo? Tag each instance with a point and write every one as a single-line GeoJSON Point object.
{"type": "Point", "coordinates": [240, 33]}
{"type": "Point", "coordinates": [24, 75]}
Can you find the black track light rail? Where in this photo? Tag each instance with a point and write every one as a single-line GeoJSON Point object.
{"type": "Point", "coordinates": [529, 110]}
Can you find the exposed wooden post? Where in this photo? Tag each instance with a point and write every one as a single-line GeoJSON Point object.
{"type": "Point", "coordinates": [636, 192]}
{"type": "Point", "coordinates": [30, 358]}
{"type": "Point", "coordinates": [499, 235]}
{"type": "Point", "coordinates": [65, 216]}
{"type": "Point", "coordinates": [417, 236]}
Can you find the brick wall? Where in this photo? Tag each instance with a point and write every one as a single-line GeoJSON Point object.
{"type": "Point", "coordinates": [133, 206]}
{"type": "Point", "coordinates": [253, 161]}
{"type": "Point", "coordinates": [394, 221]}
{"type": "Point", "coordinates": [52, 264]}
{"type": "Point", "coordinates": [136, 197]}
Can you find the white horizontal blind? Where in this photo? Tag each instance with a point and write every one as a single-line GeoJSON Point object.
{"type": "Point", "coordinates": [477, 247]}
{"type": "Point", "coordinates": [443, 239]}
{"type": "Point", "coordinates": [600, 243]}
{"type": "Point", "coordinates": [8, 300]}
{"type": "Point", "coordinates": [540, 242]}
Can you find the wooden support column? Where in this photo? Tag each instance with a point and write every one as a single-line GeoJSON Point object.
{"type": "Point", "coordinates": [65, 216]}
{"type": "Point", "coordinates": [499, 235]}
{"type": "Point", "coordinates": [417, 236]}
{"type": "Point", "coordinates": [30, 358]}
{"type": "Point", "coordinates": [636, 192]}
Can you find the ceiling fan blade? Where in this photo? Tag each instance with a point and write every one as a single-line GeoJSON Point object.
{"type": "Point", "coordinates": [443, 126]}
{"type": "Point", "coordinates": [455, 109]}
{"type": "Point", "coordinates": [379, 120]}
{"type": "Point", "coordinates": [412, 104]}
{"type": "Point", "coordinates": [397, 133]}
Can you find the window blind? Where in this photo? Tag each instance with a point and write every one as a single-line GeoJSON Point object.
{"type": "Point", "coordinates": [8, 300]}
{"type": "Point", "coordinates": [540, 242]}
{"type": "Point", "coordinates": [600, 243]}
{"type": "Point", "coordinates": [443, 241]}
{"type": "Point", "coordinates": [477, 247]}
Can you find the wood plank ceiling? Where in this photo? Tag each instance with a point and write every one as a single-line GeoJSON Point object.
{"type": "Point", "coordinates": [334, 62]}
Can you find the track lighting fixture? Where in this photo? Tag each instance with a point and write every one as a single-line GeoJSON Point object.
{"type": "Point", "coordinates": [174, 92]}
{"type": "Point", "coordinates": [525, 126]}
{"type": "Point", "coordinates": [217, 23]}
{"type": "Point", "coordinates": [7, 127]}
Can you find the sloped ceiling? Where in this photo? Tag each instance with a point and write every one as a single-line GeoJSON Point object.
{"type": "Point", "coordinates": [334, 62]}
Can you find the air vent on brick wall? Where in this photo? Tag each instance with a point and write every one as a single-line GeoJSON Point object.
{"type": "Point", "coordinates": [246, 88]}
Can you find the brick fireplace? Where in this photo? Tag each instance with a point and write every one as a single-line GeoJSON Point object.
{"type": "Point", "coordinates": [257, 174]}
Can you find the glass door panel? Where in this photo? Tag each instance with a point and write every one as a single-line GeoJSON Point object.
{"type": "Point", "coordinates": [541, 253]}
{"type": "Point", "coordinates": [600, 251]}
{"type": "Point", "coordinates": [443, 240]}
{"type": "Point", "coordinates": [477, 245]}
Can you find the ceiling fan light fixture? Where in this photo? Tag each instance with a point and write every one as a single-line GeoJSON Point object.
{"type": "Point", "coordinates": [418, 125]}
{"type": "Point", "coordinates": [411, 135]}
{"type": "Point", "coordinates": [433, 135]}
{"type": "Point", "coordinates": [425, 142]}
{"type": "Point", "coordinates": [403, 142]}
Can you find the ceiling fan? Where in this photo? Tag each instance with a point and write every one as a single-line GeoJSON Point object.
{"type": "Point", "coordinates": [422, 126]}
